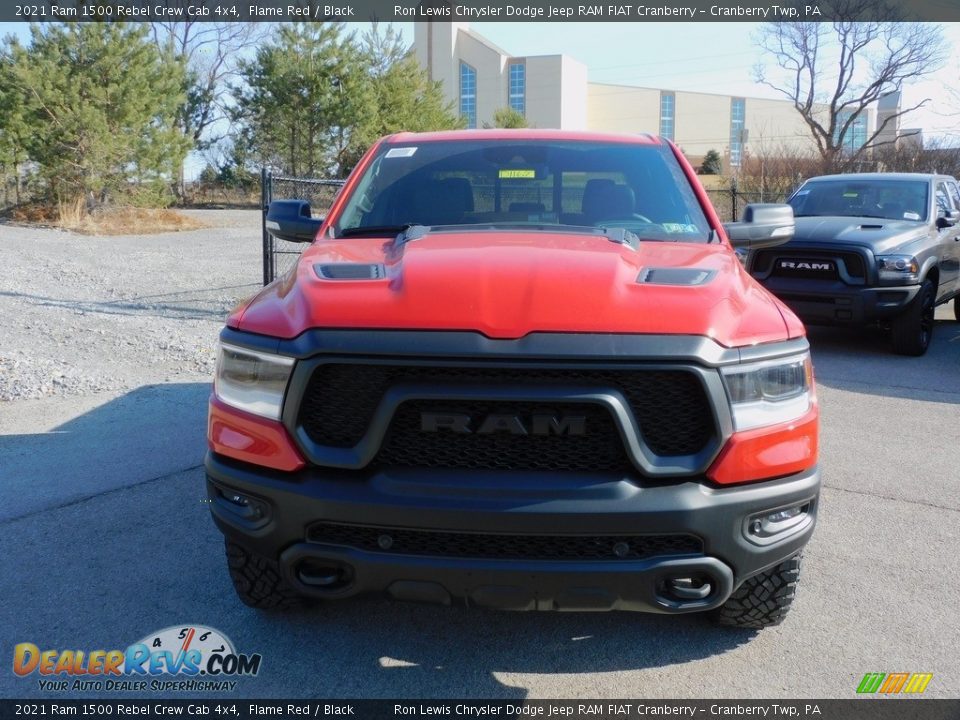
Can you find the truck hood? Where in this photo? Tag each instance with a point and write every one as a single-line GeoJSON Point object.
{"type": "Point", "coordinates": [880, 234]}
{"type": "Point", "coordinates": [507, 284]}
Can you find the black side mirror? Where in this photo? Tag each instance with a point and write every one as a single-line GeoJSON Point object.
{"type": "Point", "coordinates": [763, 225]}
{"type": "Point", "coordinates": [951, 218]}
{"type": "Point", "coordinates": [290, 220]}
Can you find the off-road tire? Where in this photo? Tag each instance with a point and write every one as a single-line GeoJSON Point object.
{"type": "Point", "coordinates": [912, 330]}
{"type": "Point", "coordinates": [956, 308]}
{"type": "Point", "coordinates": [258, 581]}
{"type": "Point", "coordinates": [762, 600]}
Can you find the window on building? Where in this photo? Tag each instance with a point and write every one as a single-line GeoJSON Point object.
{"type": "Point", "coordinates": [856, 135]}
{"type": "Point", "coordinates": [667, 111]}
{"type": "Point", "coordinates": [468, 94]}
{"type": "Point", "coordinates": [738, 121]}
{"type": "Point", "coordinates": [518, 87]}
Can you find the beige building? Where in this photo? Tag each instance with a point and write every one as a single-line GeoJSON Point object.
{"type": "Point", "coordinates": [552, 91]}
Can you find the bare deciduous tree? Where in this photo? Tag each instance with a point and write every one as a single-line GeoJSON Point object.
{"type": "Point", "coordinates": [210, 52]}
{"type": "Point", "coordinates": [832, 72]}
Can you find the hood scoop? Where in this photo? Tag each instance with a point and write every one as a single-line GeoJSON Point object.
{"type": "Point", "coordinates": [350, 271]}
{"type": "Point", "coordinates": [675, 276]}
{"type": "Point", "coordinates": [871, 226]}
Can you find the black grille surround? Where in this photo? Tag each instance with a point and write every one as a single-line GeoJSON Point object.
{"type": "Point", "coordinates": [439, 543]}
{"type": "Point", "coordinates": [671, 407]}
{"type": "Point", "coordinates": [765, 263]}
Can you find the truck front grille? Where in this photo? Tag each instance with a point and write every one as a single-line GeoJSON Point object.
{"type": "Point", "coordinates": [494, 546]}
{"type": "Point", "coordinates": [599, 448]}
{"type": "Point", "coordinates": [670, 406]}
{"type": "Point", "coordinates": [765, 263]}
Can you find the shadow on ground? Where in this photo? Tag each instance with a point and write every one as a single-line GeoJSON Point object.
{"type": "Point", "coordinates": [111, 540]}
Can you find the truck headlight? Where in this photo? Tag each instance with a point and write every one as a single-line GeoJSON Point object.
{"type": "Point", "coordinates": [898, 268]}
{"type": "Point", "coordinates": [769, 392]}
{"type": "Point", "coordinates": [252, 381]}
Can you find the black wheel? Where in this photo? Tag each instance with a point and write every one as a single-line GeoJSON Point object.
{"type": "Point", "coordinates": [912, 330]}
{"type": "Point", "coordinates": [956, 308]}
{"type": "Point", "coordinates": [763, 600]}
{"type": "Point", "coordinates": [258, 581]}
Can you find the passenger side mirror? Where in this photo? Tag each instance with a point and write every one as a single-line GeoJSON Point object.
{"type": "Point", "coordinates": [291, 220]}
{"type": "Point", "coordinates": [951, 218]}
{"type": "Point", "coordinates": [763, 225]}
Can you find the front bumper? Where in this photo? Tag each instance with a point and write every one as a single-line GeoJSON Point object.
{"type": "Point", "coordinates": [287, 505]}
{"type": "Point", "coordinates": [823, 302]}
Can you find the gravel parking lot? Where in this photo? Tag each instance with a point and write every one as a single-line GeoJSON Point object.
{"type": "Point", "coordinates": [106, 352]}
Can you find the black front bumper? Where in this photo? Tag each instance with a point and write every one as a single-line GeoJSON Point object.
{"type": "Point", "coordinates": [826, 302]}
{"type": "Point", "coordinates": [284, 506]}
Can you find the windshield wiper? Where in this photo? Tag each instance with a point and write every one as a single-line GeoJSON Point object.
{"type": "Point", "coordinates": [375, 230]}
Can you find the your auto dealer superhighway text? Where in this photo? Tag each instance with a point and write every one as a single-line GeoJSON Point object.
{"type": "Point", "coordinates": [607, 11]}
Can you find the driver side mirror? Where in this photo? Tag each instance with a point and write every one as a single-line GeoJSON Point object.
{"type": "Point", "coordinates": [763, 225]}
{"type": "Point", "coordinates": [291, 220]}
{"type": "Point", "coordinates": [949, 219]}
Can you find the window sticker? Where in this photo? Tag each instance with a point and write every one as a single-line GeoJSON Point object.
{"type": "Point", "coordinates": [678, 228]}
{"type": "Point", "coordinates": [401, 152]}
{"type": "Point", "coordinates": [911, 216]}
{"type": "Point", "coordinates": [851, 194]}
{"type": "Point", "coordinates": [514, 174]}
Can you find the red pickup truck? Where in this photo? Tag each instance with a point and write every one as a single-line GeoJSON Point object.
{"type": "Point", "coordinates": [520, 369]}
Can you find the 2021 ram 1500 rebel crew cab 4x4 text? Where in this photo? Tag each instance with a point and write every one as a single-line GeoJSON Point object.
{"type": "Point", "coordinates": [525, 370]}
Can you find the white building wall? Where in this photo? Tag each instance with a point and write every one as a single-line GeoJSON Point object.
{"type": "Point", "coordinates": [558, 95]}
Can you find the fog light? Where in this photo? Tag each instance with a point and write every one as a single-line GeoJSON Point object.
{"type": "Point", "coordinates": [784, 514]}
{"type": "Point", "coordinates": [772, 525]}
{"type": "Point", "coordinates": [237, 499]}
{"type": "Point", "coordinates": [245, 508]}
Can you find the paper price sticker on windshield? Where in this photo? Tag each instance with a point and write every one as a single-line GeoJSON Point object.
{"type": "Point", "coordinates": [514, 174]}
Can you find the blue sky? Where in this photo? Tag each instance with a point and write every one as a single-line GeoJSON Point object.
{"type": "Point", "coordinates": [705, 57]}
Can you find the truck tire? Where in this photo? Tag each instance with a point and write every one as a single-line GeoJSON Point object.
{"type": "Point", "coordinates": [912, 330]}
{"type": "Point", "coordinates": [258, 581]}
{"type": "Point", "coordinates": [956, 308]}
{"type": "Point", "coordinates": [762, 600]}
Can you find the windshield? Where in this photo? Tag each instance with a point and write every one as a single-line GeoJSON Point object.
{"type": "Point", "coordinates": [890, 199]}
{"type": "Point", "coordinates": [536, 184]}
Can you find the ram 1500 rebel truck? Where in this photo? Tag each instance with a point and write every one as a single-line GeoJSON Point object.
{"type": "Point", "coordinates": [870, 248]}
{"type": "Point", "coordinates": [521, 369]}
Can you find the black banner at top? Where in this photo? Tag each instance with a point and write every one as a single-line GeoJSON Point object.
{"type": "Point", "coordinates": [476, 10]}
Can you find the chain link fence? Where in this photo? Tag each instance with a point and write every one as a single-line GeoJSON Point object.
{"type": "Point", "coordinates": [279, 256]}
{"type": "Point", "coordinates": [730, 202]}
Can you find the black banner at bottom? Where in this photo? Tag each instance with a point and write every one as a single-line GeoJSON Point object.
{"type": "Point", "coordinates": [855, 709]}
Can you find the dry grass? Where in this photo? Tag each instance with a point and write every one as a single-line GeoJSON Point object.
{"type": "Point", "coordinates": [105, 221]}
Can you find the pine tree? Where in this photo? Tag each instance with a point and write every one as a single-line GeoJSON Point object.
{"type": "Point", "coordinates": [100, 100]}
{"type": "Point", "coordinates": [14, 132]}
{"type": "Point", "coordinates": [507, 117]}
{"type": "Point", "coordinates": [406, 97]}
{"type": "Point", "coordinates": [306, 103]}
{"type": "Point", "coordinates": [712, 164]}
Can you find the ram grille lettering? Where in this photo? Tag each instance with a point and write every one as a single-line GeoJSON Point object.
{"type": "Point", "coordinates": [802, 265]}
{"type": "Point", "coordinates": [509, 424]}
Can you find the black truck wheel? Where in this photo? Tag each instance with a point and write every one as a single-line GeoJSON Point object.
{"type": "Point", "coordinates": [258, 581]}
{"type": "Point", "coordinates": [912, 330]}
{"type": "Point", "coordinates": [956, 308]}
{"type": "Point", "coordinates": [762, 600]}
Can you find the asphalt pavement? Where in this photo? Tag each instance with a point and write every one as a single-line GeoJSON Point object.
{"type": "Point", "coordinates": [104, 537]}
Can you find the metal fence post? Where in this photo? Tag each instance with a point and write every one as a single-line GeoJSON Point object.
{"type": "Point", "coordinates": [733, 199]}
{"type": "Point", "coordinates": [264, 204]}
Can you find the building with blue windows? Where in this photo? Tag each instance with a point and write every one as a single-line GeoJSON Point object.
{"type": "Point", "coordinates": [552, 91]}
